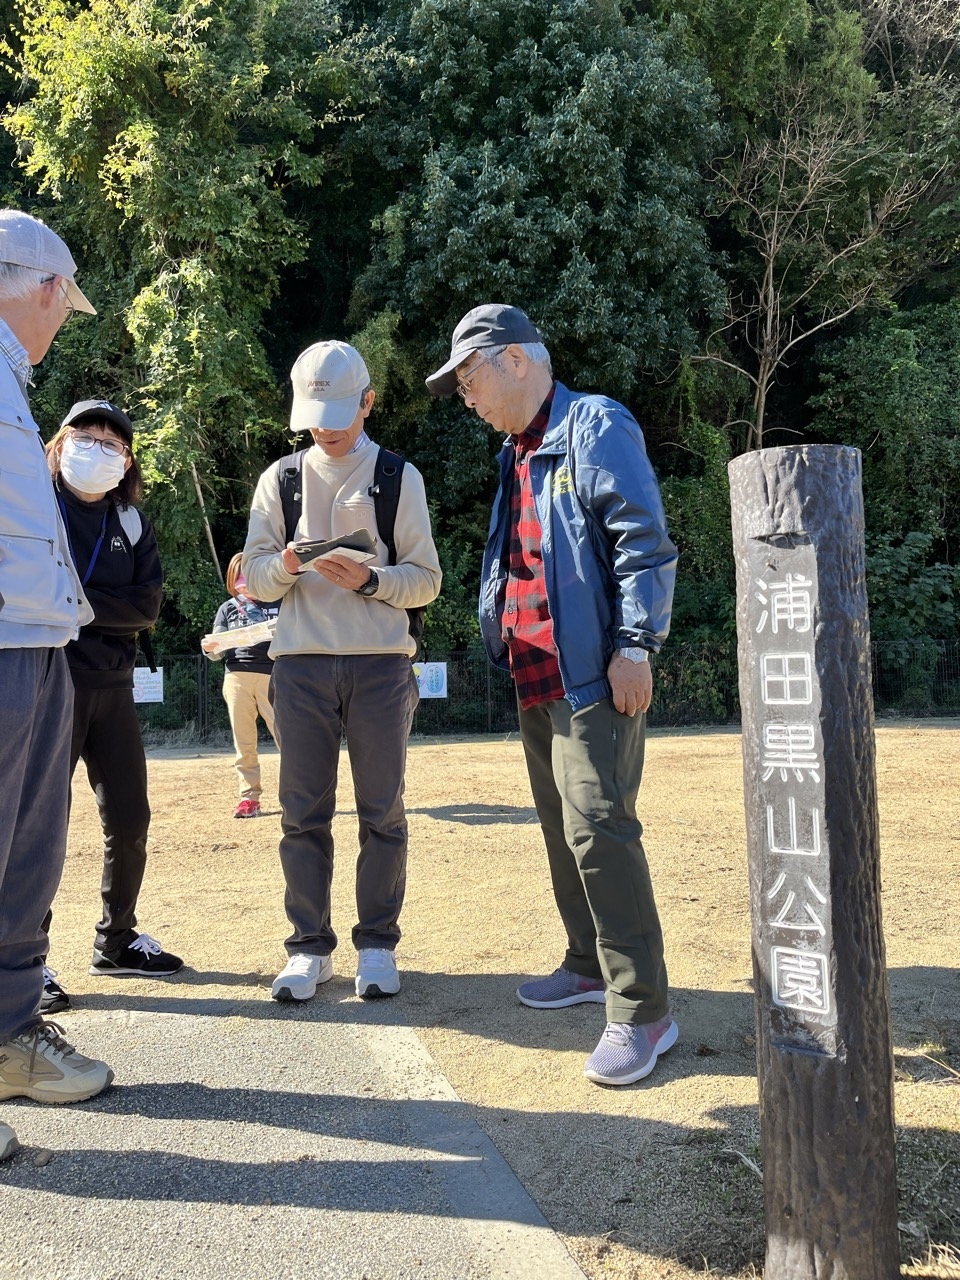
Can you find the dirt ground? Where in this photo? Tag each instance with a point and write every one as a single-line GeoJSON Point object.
{"type": "Point", "coordinates": [651, 1181]}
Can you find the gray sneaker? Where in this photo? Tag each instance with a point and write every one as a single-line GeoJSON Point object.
{"type": "Point", "coordinates": [561, 989]}
{"type": "Point", "coordinates": [627, 1053]}
{"type": "Point", "coordinates": [40, 1064]}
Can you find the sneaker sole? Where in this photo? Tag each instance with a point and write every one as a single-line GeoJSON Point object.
{"type": "Point", "coordinates": [57, 1005]}
{"type": "Point", "coordinates": [52, 1097]}
{"type": "Point", "coordinates": [286, 994]}
{"type": "Point", "coordinates": [581, 997]}
{"type": "Point", "coordinates": [132, 973]}
{"type": "Point", "coordinates": [373, 992]}
{"type": "Point", "coordinates": [665, 1043]}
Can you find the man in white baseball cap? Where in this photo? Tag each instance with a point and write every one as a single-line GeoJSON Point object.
{"type": "Point", "coordinates": [42, 607]}
{"type": "Point", "coordinates": [342, 662]}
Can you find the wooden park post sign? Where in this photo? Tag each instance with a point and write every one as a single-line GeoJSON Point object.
{"type": "Point", "coordinates": [824, 1056]}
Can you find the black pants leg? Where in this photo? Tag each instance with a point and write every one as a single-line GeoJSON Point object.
{"type": "Point", "coordinates": [107, 738]}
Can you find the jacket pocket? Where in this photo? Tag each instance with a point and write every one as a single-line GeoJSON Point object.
{"type": "Point", "coordinates": [36, 586]}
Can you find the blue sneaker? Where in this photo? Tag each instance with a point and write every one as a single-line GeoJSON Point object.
{"type": "Point", "coordinates": [627, 1053]}
{"type": "Point", "coordinates": [561, 989]}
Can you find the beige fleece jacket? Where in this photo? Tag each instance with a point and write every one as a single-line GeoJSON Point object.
{"type": "Point", "coordinates": [317, 616]}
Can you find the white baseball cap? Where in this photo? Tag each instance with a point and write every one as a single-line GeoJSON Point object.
{"type": "Point", "coordinates": [328, 380]}
{"type": "Point", "coordinates": [25, 241]}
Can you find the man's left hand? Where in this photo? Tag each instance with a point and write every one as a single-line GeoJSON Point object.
{"type": "Point", "coordinates": [343, 572]}
{"type": "Point", "coordinates": [631, 683]}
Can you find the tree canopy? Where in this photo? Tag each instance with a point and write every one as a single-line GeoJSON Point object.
{"type": "Point", "coordinates": [739, 218]}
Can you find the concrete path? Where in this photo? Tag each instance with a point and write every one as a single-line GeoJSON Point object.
{"type": "Point", "coordinates": [249, 1139]}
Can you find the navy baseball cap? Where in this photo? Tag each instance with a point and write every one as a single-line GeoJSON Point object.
{"type": "Point", "coordinates": [492, 325]}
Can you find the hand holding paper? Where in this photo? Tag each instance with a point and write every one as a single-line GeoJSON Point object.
{"type": "Point", "coordinates": [359, 546]}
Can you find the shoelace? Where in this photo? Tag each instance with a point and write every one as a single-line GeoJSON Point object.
{"type": "Point", "coordinates": [374, 958]}
{"type": "Point", "coordinates": [149, 946]}
{"type": "Point", "coordinates": [53, 1034]}
{"type": "Point", "coordinates": [300, 965]}
{"type": "Point", "coordinates": [617, 1033]}
{"type": "Point", "coordinates": [48, 974]}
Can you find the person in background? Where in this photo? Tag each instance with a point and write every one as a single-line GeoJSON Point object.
{"type": "Point", "coordinates": [42, 607]}
{"type": "Point", "coordinates": [343, 653]}
{"type": "Point", "coordinates": [97, 482]}
{"type": "Point", "coordinates": [576, 593]}
{"type": "Point", "coordinates": [246, 684]}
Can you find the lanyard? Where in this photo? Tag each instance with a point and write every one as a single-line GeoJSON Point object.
{"type": "Point", "coordinates": [96, 550]}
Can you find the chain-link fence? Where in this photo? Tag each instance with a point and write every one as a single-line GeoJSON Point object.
{"type": "Point", "coordinates": [693, 684]}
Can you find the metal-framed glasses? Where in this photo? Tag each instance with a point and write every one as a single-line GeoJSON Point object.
{"type": "Point", "coordinates": [113, 448]}
{"type": "Point", "coordinates": [464, 388]}
{"type": "Point", "coordinates": [65, 299]}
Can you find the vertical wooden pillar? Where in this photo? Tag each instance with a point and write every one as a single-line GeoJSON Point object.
{"type": "Point", "coordinates": [824, 1054]}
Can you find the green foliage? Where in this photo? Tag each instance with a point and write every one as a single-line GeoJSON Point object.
{"type": "Point", "coordinates": [549, 157]}
{"type": "Point", "coordinates": [239, 179]}
{"type": "Point", "coordinates": [175, 133]}
{"type": "Point", "coordinates": [910, 598]}
{"type": "Point", "coordinates": [891, 390]}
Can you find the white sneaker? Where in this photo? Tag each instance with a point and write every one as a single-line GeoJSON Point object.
{"type": "Point", "coordinates": [301, 976]}
{"type": "Point", "coordinates": [377, 973]}
{"type": "Point", "coordinates": [8, 1142]}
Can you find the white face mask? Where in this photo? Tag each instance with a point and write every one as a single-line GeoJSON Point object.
{"type": "Point", "coordinates": [90, 470]}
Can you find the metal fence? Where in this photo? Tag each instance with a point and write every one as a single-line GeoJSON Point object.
{"type": "Point", "coordinates": [693, 684]}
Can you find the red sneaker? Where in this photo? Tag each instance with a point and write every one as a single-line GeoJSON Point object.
{"type": "Point", "coordinates": [247, 809]}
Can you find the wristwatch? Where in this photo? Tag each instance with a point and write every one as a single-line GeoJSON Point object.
{"type": "Point", "coordinates": [369, 588]}
{"type": "Point", "coordinates": [634, 655]}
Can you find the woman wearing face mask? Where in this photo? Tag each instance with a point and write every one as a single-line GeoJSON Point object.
{"type": "Point", "coordinates": [246, 684]}
{"type": "Point", "coordinates": [97, 481]}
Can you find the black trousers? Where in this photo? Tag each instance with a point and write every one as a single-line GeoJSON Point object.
{"type": "Point", "coordinates": [106, 736]}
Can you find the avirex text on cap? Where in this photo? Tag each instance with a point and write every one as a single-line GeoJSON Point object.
{"type": "Point", "coordinates": [492, 325]}
{"type": "Point", "coordinates": [25, 241]}
{"type": "Point", "coordinates": [328, 380]}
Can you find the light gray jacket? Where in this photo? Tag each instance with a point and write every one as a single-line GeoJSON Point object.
{"type": "Point", "coordinates": [42, 604]}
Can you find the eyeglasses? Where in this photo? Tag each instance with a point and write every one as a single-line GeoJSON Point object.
{"type": "Point", "coordinates": [113, 448]}
{"type": "Point", "coordinates": [463, 383]}
{"type": "Point", "coordinates": [65, 299]}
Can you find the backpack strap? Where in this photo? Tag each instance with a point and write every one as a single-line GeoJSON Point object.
{"type": "Point", "coordinates": [130, 523]}
{"type": "Point", "coordinates": [385, 491]}
{"type": "Point", "coordinates": [290, 483]}
{"type": "Point", "coordinates": [132, 526]}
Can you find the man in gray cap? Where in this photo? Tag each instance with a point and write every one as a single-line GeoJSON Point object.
{"type": "Point", "coordinates": [342, 655]}
{"type": "Point", "coordinates": [42, 608]}
{"type": "Point", "coordinates": [576, 592]}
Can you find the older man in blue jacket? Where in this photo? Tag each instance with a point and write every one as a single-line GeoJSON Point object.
{"type": "Point", "coordinates": [576, 593]}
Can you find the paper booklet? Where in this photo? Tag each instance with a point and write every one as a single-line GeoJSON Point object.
{"type": "Point", "coordinates": [359, 546]}
{"type": "Point", "coordinates": [240, 637]}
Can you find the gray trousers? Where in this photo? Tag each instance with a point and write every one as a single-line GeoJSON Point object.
{"type": "Point", "coordinates": [585, 768]}
{"type": "Point", "coordinates": [36, 717]}
{"type": "Point", "coordinates": [316, 697]}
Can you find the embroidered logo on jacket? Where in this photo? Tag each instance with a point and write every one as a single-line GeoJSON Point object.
{"type": "Point", "coordinates": [562, 481]}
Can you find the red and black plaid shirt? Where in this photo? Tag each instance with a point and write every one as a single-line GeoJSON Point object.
{"type": "Point", "coordinates": [527, 625]}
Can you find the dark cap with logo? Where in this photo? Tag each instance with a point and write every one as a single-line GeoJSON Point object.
{"type": "Point", "coordinates": [102, 411]}
{"type": "Point", "coordinates": [492, 325]}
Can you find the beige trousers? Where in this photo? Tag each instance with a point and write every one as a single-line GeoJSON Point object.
{"type": "Point", "coordinates": [245, 693]}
